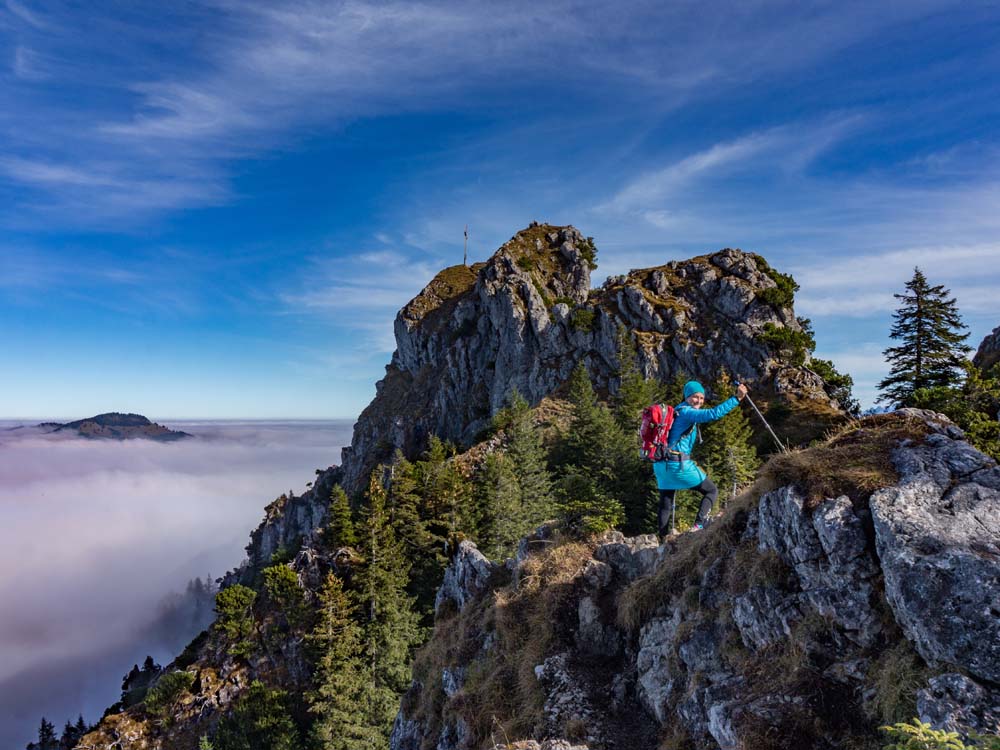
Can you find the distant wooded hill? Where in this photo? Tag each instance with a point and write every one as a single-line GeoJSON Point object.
{"type": "Point", "coordinates": [118, 426]}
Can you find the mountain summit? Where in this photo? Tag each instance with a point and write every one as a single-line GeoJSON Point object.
{"type": "Point", "coordinates": [523, 319]}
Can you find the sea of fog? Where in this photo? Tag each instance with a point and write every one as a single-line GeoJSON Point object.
{"type": "Point", "coordinates": [99, 539]}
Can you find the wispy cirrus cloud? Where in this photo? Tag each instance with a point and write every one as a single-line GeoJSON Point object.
{"type": "Point", "coordinates": [183, 106]}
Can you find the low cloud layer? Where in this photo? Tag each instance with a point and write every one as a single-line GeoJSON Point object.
{"type": "Point", "coordinates": [97, 533]}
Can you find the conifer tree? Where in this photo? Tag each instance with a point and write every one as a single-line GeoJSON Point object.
{"type": "Point", "coordinates": [635, 391]}
{"type": "Point", "coordinates": [445, 493]}
{"type": "Point", "coordinates": [498, 496]}
{"type": "Point", "coordinates": [528, 460]}
{"type": "Point", "coordinates": [424, 550]}
{"type": "Point", "coordinates": [282, 586]}
{"type": "Point", "coordinates": [726, 451]}
{"type": "Point", "coordinates": [594, 450]}
{"type": "Point", "coordinates": [932, 348]}
{"type": "Point", "coordinates": [391, 626]}
{"type": "Point", "coordinates": [341, 677]}
{"type": "Point", "coordinates": [47, 735]}
{"type": "Point", "coordinates": [261, 720]}
{"type": "Point", "coordinates": [340, 529]}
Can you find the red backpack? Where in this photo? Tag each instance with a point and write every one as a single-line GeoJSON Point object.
{"type": "Point", "coordinates": [653, 431]}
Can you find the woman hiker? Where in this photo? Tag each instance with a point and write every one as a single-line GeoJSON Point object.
{"type": "Point", "coordinates": [678, 471]}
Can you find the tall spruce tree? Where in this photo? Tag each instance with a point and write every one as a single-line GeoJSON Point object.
{"type": "Point", "coordinates": [47, 736]}
{"type": "Point", "coordinates": [341, 675]}
{"type": "Point", "coordinates": [260, 720]}
{"type": "Point", "coordinates": [340, 528]}
{"type": "Point", "coordinates": [528, 458]}
{"type": "Point", "coordinates": [391, 626]}
{"type": "Point", "coordinates": [635, 390]}
{"type": "Point", "coordinates": [932, 348]}
{"type": "Point", "coordinates": [445, 494]}
{"type": "Point", "coordinates": [592, 452]}
{"type": "Point", "coordinates": [498, 496]}
{"type": "Point", "coordinates": [411, 517]}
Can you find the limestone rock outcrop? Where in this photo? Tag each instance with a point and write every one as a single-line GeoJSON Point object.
{"type": "Point", "coordinates": [769, 629]}
{"type": "Point", "coordinates": [988, 353]}
{"type": "Point", "coordinates": [523, 319]}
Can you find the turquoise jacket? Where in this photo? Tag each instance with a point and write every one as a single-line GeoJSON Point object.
{"type": "Point", "coordinates": [683, 475]}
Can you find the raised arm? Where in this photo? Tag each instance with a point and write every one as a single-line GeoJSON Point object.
{"type": "Point", "coordinates": [701, 416]}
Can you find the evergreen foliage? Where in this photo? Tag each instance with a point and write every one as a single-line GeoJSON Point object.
{"type": "Point", "coordinates": [932, 345]}
{"type": "Point", "coordinates": [342, 681]}
{"type": "Point", "coordinates": [974, 406]}
{"type": "Point", "coordinates": [261, 720]}
{"type": "Point", "coordinates": [917, 735]}
{"type": "Point", "coordinates": [167, 691]}
{"type": "Point", "coordinates": [417, 530]}
{"type": "Point", "coordinates": [635, 392]}
{"type": "Point", "coordinates": [234, 607]}
{"type": "Point", "coordinates": [444, 493]}
{"type": "Point", "coordinates": [498, 496]}
{"type": "Point", "coordinates": [838, 385]}
{"type": "Point", "coordinates": [390, 624]}
{"type": "Point", "coordinates": [339, 530]}
{"type": "Point", "coordinates": [528, 458]}
{"type": "Point", "coordinates": [46, 737]}
{"type": "Point", "coordinates": [783, 293]}
{"type": "Point", "coordinates": [590, 457]}
{"type": "Point", "coordinates": [726, 451]}
{"type": "Point", "coordinates": [282, 586]}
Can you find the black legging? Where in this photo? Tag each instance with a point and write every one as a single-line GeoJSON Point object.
{"type": "Point", "coordinates": [709, 493]}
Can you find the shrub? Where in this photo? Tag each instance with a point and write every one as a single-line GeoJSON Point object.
{"type": "Point", "coordinates": [525, 263]}
{"type": "Point", "coordinates": [781, 295]}
{"type": "Point", "coordinates": [588, 250]}
{"type": "Point", "coordinates": [582, 319]}
{"type": "Point", "coordinates": [166, 692]}
{"type": "Point", "coordinates": [916, 735]}
{"type": "Point", "coordinates": [795, 345]}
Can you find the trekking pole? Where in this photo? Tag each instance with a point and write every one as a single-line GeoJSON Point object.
{"type": "Point", "coordinates": [780, 444]}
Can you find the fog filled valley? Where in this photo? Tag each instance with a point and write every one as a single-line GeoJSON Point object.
{"type": "Point", "coordinates": [102, 540]}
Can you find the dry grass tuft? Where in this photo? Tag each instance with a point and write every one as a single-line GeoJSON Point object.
{"type": "Point", "coordinates": [854, 460]}
{"type": "Point", "coordinates": [896, 676]}
{"type": "Point", "coordinates": [501, 696]}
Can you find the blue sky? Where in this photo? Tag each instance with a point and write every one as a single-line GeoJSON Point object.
{"type": "Point", "coordinates": [215, 209]}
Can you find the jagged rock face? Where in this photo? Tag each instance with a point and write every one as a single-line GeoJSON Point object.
{"type": "Point", "coordinates": [288, 522]}
{"type": "Point", "coordinates": [786, 616]}
{"type": "Point", "coordinates": [938, 537]}
{"type": "Point", "coordinates": [524, 319]}
{"type": "Point", "coordinates": [989, 351]}
{"type": "Point", "coordinates": [465, 579]}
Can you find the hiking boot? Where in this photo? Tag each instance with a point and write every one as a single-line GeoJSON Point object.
{"type": "Point", "coordinates": [697, 527]}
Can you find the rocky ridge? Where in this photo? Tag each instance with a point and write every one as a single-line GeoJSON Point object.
{"type": "Point", "coordinates": [523, 319]}
{"type": "Point", "coordinates": [795, 620]}
{"type": "Point", "coordinates": [988, 353]}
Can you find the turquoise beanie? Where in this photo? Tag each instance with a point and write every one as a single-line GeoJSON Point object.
{"type": "Point", "coordinates": [691, 387]}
